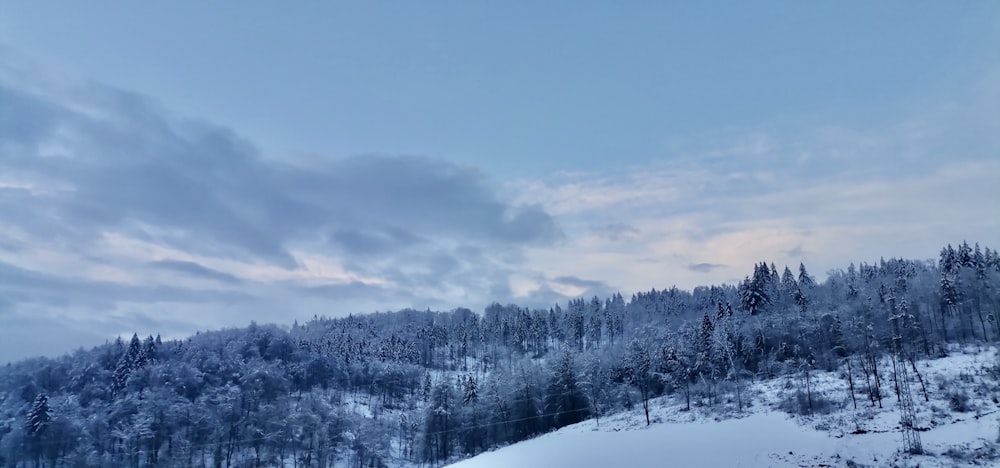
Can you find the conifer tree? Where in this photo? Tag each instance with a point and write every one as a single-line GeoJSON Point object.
{"type": "Point", "coordinates": [129, 362]}
{"type": "Point", "coordinates": [805, 281]}
{"type": "Point", "coordinates": [36, 425]}
{"type": "Point", "coordinates": [565, 400]}
{"type": "Point", "coordinates": [471, 390]}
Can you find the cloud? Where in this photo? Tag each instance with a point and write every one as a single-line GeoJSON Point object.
{"type": "Point", "coordinates": [22, 285]}
{"type": "Point", "coordinates": [615, 231]}
{"type": "Point", "coordinates": [795, 252]}
{"type": "Point", "coordinates": [127, 164]}
{"type": "Point", "coordinates": [727, 199]}
{"type": "Point", "coordinates": [373, 242]}
{"type": "Point", "coordinates": [704, 267]}
{"type": "Point", "coordinates": [110, 202]}
{"type": "Point", "coordinates": [195, 269]}
{"type": "Point", "coordinates": [535, 290]}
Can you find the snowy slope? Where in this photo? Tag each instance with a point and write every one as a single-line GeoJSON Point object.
{"type": "Point", "coordinates": [764, 436]}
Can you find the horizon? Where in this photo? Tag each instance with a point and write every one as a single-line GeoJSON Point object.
{"type": "Point", "coordinates": [627, 296]}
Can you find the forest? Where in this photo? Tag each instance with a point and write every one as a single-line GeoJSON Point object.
{"type": "Point", "coordinates": [429, 387]}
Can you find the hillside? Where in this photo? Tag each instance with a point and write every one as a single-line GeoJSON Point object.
{"type": "Point", "coordinates": [426, 387]}
{"type": "Point", "coordinates": [768, 436]}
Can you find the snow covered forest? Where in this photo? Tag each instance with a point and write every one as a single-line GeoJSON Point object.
{"type": "Point", "coordinates": [428, 387]}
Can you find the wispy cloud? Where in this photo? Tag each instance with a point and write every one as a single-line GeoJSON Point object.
{"type": "Point", "coordinates": [825, 194]}
{"type": "Point", "coordinates": [616, 231]}
{"type": "Point", "coordinates": [195, 269]}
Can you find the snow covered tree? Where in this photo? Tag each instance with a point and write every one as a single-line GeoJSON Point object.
{"type": "Point", "coordinates": [637, 370]}
{"type": "Point", "coordinates": [805, 281]}
{"type": "Point", "coordinates": [439, 424]}
{"type": "Point", "coordinates": [788, 282]}
{"type": "Point", "coordinates": [565, 402]}
{"type": "Point", "coordinates": [39, 417]}
{"type": "Point", "coordinates": [129, 362]}
{"type": "Point", "coordinates": [471, 390]}
{"type": "Point", "coordinates": [754, 291]}
{"type": "Point", "coordinates": [427, 387]}
{"type": "Point", "coordinates": [577, 324]}
{"type": "Point", "coordinates": [595, 326]}
{"type": "Point", "coordinates": [36, 424]}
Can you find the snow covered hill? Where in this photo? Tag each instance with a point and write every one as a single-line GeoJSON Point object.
{"type": "Point", "coordinates": [959, 426]}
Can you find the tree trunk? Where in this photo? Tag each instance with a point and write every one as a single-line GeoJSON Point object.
{"type": "Point", "coordinates": [687, 394]}
{"type": "Point", "coordinates": [809, 394]}
{"type": "Point", "coordinates": [979, 312]}
{"type": "Point", "coordinates": [878, 379]}
{"type": "Point", "coordinates": [919, 378]}
{"type": "Point", "coordinates": [868, 380]}
{"type": "Point", "coordinates": [739, 396]}
{"type": "Point", "coordinates": [850, 381]}
{"type": "Point", "coordinates": [645, 403]}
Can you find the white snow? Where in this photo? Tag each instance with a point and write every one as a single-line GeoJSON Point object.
{"type": "Point", "coordinates": [764, 436]}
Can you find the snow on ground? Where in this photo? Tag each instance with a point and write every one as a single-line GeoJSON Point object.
{"type": "Point", "coordinates": [766, 436]}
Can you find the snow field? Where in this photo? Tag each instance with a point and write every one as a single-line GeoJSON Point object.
{"type": "Point", "coordinates": [765, 436]}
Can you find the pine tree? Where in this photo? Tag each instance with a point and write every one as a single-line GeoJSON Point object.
{"type": "Point", "coordinates": [471, 390]}
{"type": "Point", "coordinates": [594, 331]}
{"type": "Point", "coordinates": [39, 417]}
{"type": "Point", "coordinates": [36, 425]}
{"type": "Point", "coordinates": [805, 281]}
{"type": "Point", "coordinates": [788, 282]}
{"type": "Point", "coordinates": [129, 362]}
{"type": "Point", "coordinates": [801, 300]}
{"type": "Point", "coordinates": [707, 328]}
{"type": "Point", "coordinates": [438, 422]}
{"type": "Point", "coordinates": [565, 402]}
{"type": "Point", "coordinates": [753, 296]}
{"type": "Point", "coordinates": [426, 393]}
{"type": "Point", "coordinates": [148, 352]}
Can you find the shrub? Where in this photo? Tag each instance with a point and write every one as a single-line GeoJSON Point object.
{"type": "Point", "coordinates": [798, 403]}
{"type": "Point", "coordinates": [958, 401]}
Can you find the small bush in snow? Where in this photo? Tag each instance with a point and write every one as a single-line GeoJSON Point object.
{"type": "Point", "coordinates": [799, 403]}
{"type": "Point", "coordinates": [939, 413]}
{"type": "Point", "coordinates": [965, 453]}
{"type": "Point", "coordinates": [958, 401]}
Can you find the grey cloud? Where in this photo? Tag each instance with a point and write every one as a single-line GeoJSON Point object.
{"type": "Point", "coordinates": [579, 282]}
{"type": "Point", "coordinates": [795, 252]}
{"type": "Point", "coordinates": [591, 287]}
{"type": "Point", "coordinates": [704, 267]}
{"type": "Point", "coordinates": [352, 290]}
{"type": "Point", "coordinates": [196, 269]}
{"type": "Point", "coordinates": [417, 194]}
{"type": "Point", "coordinates": [21, 285]}
{"type": "Point", "coordinates": [615, 231]}
{"type": "Point", "coordinates": [354, 297]}
{"type": "Point", "coordinates": [373, 241]}
{"type": "Point", "coordinates": [136, 163]}
{"type": "Point", "coordinates": [92, 160]}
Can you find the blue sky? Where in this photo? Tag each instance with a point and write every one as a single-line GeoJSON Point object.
{"type": "Point", "coordinates": [170, 167]}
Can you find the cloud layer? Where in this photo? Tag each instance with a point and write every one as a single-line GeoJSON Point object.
{"type": "Point", "coordinates": [110, 204]}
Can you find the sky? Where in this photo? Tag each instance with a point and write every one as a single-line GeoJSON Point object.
{"type": "Point", "coordinates": [169, 167]}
